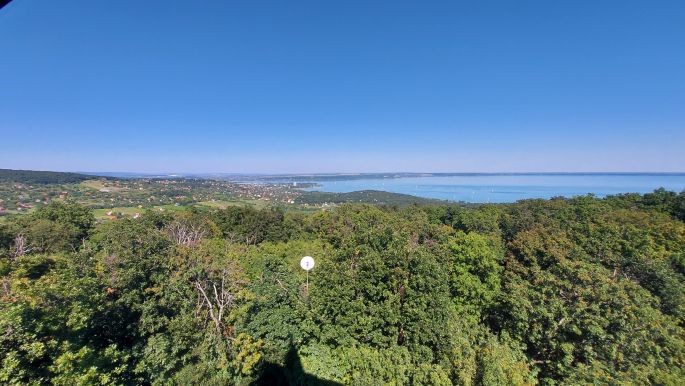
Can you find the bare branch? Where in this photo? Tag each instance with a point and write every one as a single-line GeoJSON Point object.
{"type": "Point", "coordinates": [184, 232]}
{"type": "Point", "coordinates": [210, 307]}
{"type": "Point", "coordinates": [20, 246]}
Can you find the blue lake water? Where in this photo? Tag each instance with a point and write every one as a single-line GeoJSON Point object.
{"type": "Point", "coordinates": [508, 187]}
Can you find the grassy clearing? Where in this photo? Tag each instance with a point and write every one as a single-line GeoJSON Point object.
{"type": "Point", "coordinates": [101, 214]}
{"type": "Point", "coordinates": [126, 211]}
{"type": "Point", "coordinates": [170, 208]}
{"type": "Point", "coordinates": [257, 204]}
{"type": "Point", "coordinates": [223, 204]}
{"type": "Point", "coordinates": [100, 184]}
{"type": "Point", "coordinates": [130, 211]}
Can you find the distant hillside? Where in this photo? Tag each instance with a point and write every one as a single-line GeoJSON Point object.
{"type": "Point", "coordinates": [366, 196]}
{"type": "Point", "coordinates": [41, 177]}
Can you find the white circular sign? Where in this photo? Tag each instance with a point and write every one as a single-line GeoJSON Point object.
{"type": "Point", "coordinates": [307, 263]}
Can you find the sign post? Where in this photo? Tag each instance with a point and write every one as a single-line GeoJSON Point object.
{"type": "Point", "coordinates": [307, 263]}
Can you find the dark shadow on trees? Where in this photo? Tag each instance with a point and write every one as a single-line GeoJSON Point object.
{"type": "Point", "coordinates": [291, 373]}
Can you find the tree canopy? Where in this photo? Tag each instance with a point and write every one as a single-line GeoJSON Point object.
{"type": "Point", "coordinates": [561, 291]}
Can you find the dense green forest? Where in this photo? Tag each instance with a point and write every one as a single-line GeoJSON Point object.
{"type": "Point", "coordinates": [375, 197]}
{"type": "Point", "coordinates": [561, 291]}
{"type": "Point", "coordinates": [40, 177]}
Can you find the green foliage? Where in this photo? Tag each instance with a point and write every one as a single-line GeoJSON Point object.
{"type": "Point", "coordinates": [277, 311]}
{"type": "Point", "coordinates": [501, 364]}
{"type": "Point", "coordinates": [40, 177]}
{"type": "Point", "coordinates": [57, 227]}
{"type": "Point", "coordinates": [251, 226]}
{"type": "Point", "coordinates": [376, 197]}
{"type": "Point", "coordinates": [47, 315]}
{"type": "Point", "coordinates": [571, 313]}
{"type": "Point", "coordinates": [574, 291]}
{"type": "Point", "coordinates": [67, 213]}
{"type": "Point", "coordinates": [6, 240]}
{"type": "Point", "coordinates": [474, 266]}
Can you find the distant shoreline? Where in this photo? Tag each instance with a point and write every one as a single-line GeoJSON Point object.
{"type": "Point", "coordinates": [271, 176]}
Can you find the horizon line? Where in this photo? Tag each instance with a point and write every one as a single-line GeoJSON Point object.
{"type": "Point", "coordinates": [341, 173]}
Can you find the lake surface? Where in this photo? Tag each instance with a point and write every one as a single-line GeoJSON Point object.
{"type": "Point", "coordinates": [479, 188]}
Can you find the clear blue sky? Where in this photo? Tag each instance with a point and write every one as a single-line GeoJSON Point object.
{"type": "Point", "coordinates": [342, 86]}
